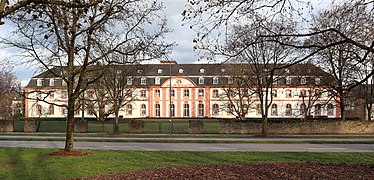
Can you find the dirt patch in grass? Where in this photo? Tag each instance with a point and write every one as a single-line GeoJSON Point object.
{"type": "Point", "coordinates": [253, 171]}
{"type": "Point", "coordinates": [72, 153]}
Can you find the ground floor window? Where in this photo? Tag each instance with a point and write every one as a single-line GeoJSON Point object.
{"type": "Point", "coordinates": [288, 110]}
{"type": "Point", "coordinates": [157, 110]}
{"type": "Point", "coordinates": [215, 109]}
{"type": "Point", "coordinates": [201, 110]}
{"type": "Point", "coordinates": [186, 110]}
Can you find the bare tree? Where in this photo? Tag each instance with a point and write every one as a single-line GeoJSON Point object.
{"type": "Point", "coordinates": [7, 90]}
{"type": "Point", "coordinates": [7, 8]}
{"type": "Point", "coordinates": [263, 61]}
{"type": "Point", "coordinates": [119, 84]}
{"type": "Point", "coordinates": [237, 96]}
{"type": "Point", "coordinates": [77, 38]}
{"type": "Point", "coordinates": [344, 60]}
{"type": "Point", "coordinates": [345, 24]}
{"type": "Point", "coordinates": [213, 21]}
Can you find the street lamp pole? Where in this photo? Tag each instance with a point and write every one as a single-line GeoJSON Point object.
{"type": "Point", "coordinates": [170, 103]}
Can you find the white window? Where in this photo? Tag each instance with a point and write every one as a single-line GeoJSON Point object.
{"type": "Point", "coordinates": [157, 80]}
{"type": "Point", "coordinates": [215, 80]}
{"type": "Point", "coordinates": [201, 110]}
{"type": "Point", "coordinates": [303, 80]}
{"type": "Point", "coordinates": [201, 92]}
{"type": "Point", "coordinates": [39, 82]}
{"type": "Point", "coordinates": [186, 110]}
{"type": "Point", "coordinates": [129, 81]}
{"type": "Point", "coordinates": [51, 82]}
{"type": "Point", "coordinates": [159, 71]}
{"type": "Point", "coordinates": [158, 111]}
{"type": "Point", "coordinates": [143, 81]}
{"type": "Point", "coordinates": [180, 71]}
{"type": "Point", "coordinates": [215, 109]}
{"type": "Point", "coordinates": [172, 110]}
{"type": "Point", "coordinates": [186, 92]}
{"type": "Point", "coordinates": [202, 70]}
{"type": "Point", "coordinates": [215, 93]}
{"type": "Point", "coordinates": [157, 93]}
{"type": "Point", "coordinates": [172, 93]}
{"type": "Point", "coordinates": [143, 109]}
{"type": "Point", "coordinates": [201, 80]}
{"type": "Point", "coordinates": [288, 80]}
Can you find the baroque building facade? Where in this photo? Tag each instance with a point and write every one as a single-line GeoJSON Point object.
{"type": "Point", "coordinates": [193, 91]}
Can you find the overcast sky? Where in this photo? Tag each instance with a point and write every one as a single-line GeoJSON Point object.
{"type": "Point", "coordinates": [181, 35]}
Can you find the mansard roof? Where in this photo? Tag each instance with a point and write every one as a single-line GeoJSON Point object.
{"type": "Point", "coordinates": [192, 71]}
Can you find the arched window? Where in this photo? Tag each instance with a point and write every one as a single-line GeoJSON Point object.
{"type": "Point", "coordinates": [39, 110]}
{"type": "Point", "coordinates": [215, 80]}
{"type": "Point", "coordinates": [51, 109]}
{"type": "Point", "coordinates": [172, 110]}
{"type": "Point", "coordinates": [330, 110]}
{"type": "Point", "coordinates": [129, 109]}
{"type": "Point", "coordinates": [157, 110]}
{"type": "Point", "coordinates": [215, 109]}
{"type": "Point", "coordinates": [201, 110]}
{"type": "Point", "coordinates": [274, 110]}
{"type": "Point", "coordinates": [229, 108]}
{"type": "Point", "coordinates": [288, 93]}
{"type": "Point", "coordinates": [143, 109]}
{"type": "Point", "coordinates": [288, 110]}
{"type": "Point", "coordinates": [302, 109]}
{"type": "Point", "coordinates": [157, 80]}
{"type": "Point", "coordinates": [186, 110]}
{"type": "Point", "coordinates": [201, 80]}
{"type": "Point", "coordinates": [317, 110]}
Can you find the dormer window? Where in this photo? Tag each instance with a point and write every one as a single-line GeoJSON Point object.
{"type": "Point", "coordinates": [180, 71]}
{"type": "Point", "coordinates": [303, 80]}
{"type": "Point", "coordinates": [143, 81]}
{"type": "Point", "coordinates": [129, 81]}
{"type": "Point", "coordinates": [201, 80]}
{"type": "Point", "coordinates": [288, 80]}
{"type": "Point", "coordinates": [223, 70]}
{"type": "Point", "coordinates": [140, 71]}
{"type": "Point", "coordinates": [287, 70]}
{"type": "Point", "coordinates": [159, 71]}
{"type": "Point", "coordinates": [39, 82]}
{"type": "Point", "coordinates": [51, 82]}
{"type": "Point", "coordinates": [157, 80]}
{"type": "Point", "coordinates": [202, 70]}
{"type": "Point", "coordinates": [215, 80]}
{"type": "Point", "coordinates": [317, 81]}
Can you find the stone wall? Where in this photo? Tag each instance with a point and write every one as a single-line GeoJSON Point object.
{"type": "Point", "coordinates": [136, 126]}
{"type": "Point", "coordinates": [6, 126]}
{"type": "Point", "coordinates": [195, 126]}
{"type": "Point", "coordinates": [29, 126]}
{"type": "Point", "coordinates": [81, 126]}
{"type": "Point", "coordinates": [304, 127]}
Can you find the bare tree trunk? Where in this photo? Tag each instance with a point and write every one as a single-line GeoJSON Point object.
{"type": "Point", "coordinates": [264, 126]}
{"type": "Point", "coordinates": [116, 123]}
{"type": "Point", "coordinates": [70, 127]}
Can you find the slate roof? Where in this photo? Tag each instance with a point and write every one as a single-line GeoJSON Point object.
{"type": "Point", "coordinates": [192, 71]}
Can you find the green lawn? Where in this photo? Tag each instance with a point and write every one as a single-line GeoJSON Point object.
{"type": "Point", "coordinates": [24, 163]}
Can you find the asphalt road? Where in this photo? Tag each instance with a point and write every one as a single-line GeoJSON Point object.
{"type": "Point", "coordinates": [51, 137]}
{"type": "Point", "coordinates": [129, 146]}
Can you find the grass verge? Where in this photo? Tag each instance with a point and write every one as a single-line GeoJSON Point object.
{"type": "Point", "coordinates": [26, 163]}
{"type": "Point", "coordinates": [243, 141]}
